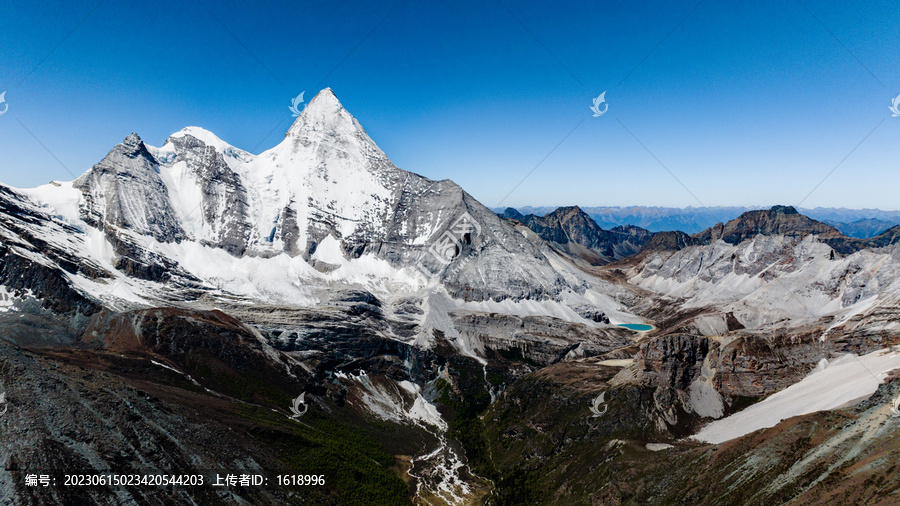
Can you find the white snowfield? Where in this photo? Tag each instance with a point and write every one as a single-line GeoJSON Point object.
{"type": "Point", "coordinates": [831, 385]}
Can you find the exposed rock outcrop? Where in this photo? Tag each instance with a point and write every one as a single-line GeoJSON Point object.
{"type": "Point", "coordinates": [573, 231]}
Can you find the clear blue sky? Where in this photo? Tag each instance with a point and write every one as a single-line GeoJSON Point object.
{"type": "Point", "coordinates": [746, 103]}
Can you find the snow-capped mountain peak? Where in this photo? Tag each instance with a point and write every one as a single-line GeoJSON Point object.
{"type": "Point", "coordinates": [325, 132]}
{"type": "Point", "coordinates": [205, 136]}
{"type": "Point", "coordinates": [133, 140]}
{"type": "Point", "coordinates": [324, 113]}
{"type": "Point", "coordinates": [327, 184]}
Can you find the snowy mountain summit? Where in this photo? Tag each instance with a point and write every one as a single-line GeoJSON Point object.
{"type": "Point", "coordinates": [324, 206]}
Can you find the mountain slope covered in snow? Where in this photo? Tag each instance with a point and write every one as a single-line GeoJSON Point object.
{"type": "Point", "coordinates": [325, 201]}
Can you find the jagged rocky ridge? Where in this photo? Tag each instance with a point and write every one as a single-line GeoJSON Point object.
{"type": "Point", "coordinates": [571, 230]}
{"type": "Point", "coordinates": [863, 224]}
{"type": "Point", "coordinates": [786, 221]}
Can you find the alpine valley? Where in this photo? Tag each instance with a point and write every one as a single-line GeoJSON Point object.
{"type": "Point", "coordinates": [316, 310]}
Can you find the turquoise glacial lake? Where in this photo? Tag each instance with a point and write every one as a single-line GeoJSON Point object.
{"type": "Point", "coordinates": [640, 327]}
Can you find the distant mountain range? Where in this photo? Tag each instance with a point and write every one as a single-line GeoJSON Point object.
{"type": "Point", "coordinates": [859, 223]}
{"type": "Point", "coordinates": [864, 228]}
{"type": "Point", "coordinates": [572, 231]}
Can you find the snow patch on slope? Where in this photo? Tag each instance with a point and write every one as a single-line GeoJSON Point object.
{"type": "Point", "coordinates": [832, 384]}
{"type": "Point", "coordinates": [8, 299]}
{"type": "Point", "coordinates": [400, 402]}
{"type": "Point", "coordinates": [527, 307]}
{"type": "Point", "coordinates": [58, 199]}
{"type": "Point", "coordinates": [234, 157]}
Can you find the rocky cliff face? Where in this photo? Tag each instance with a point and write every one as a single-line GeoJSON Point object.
{"type": "Point", "coordinates": [35, 270]}
{"type": "Point", "coordinates": [125, 191]}
{"type": "Point", "coordinates": [779, 220]}
{"type": "Point", "coordinates": [671, 241]}
{"type": "Point", "coordinates": [224, 207]}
